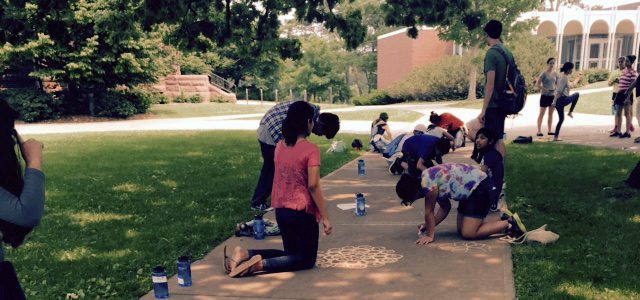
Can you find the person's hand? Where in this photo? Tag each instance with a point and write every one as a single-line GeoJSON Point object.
{"type": "Point", "coordinates": [481, 117]}
{"type": "Point", "coordinates": [326, 224]}
{"type": "Point", "coordinates": [32, 153]}
{"type": "Point", "coordinates": [553, 104]}
{"type": "Point", "coordinates": [424, 240]}
{"type": "Point", "coordinates": [484, 168]}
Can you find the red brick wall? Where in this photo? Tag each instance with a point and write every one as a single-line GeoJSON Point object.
{"type": "Point", "coordinates": [399, 54]}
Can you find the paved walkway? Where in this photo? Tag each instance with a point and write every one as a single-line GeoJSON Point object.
{"type": "Point", "coordinates": [370, 257]}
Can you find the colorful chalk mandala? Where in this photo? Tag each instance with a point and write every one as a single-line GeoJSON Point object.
{"type": "Point", "coordinates": [356, 257]}
{"type": "Point", "coordinates": [465, 247]}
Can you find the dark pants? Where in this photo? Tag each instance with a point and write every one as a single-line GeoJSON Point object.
{"type": "Point", "coordinates": [263, 189]}
{"type": "Point", "coordinates": [300, 234]}
{"type": "Point", "coordinates": [560, 104]}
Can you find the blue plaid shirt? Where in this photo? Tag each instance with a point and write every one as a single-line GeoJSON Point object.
{"type": "Point", "coordinates": [274, 117]}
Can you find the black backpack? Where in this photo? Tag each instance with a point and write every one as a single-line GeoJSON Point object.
{"type": "Point", "coordinates": [512, 98]}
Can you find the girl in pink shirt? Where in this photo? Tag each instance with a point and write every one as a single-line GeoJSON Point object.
{"type": "Point", "coordinates": [298, 201]}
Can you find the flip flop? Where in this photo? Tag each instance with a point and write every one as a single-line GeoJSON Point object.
{"type": "Point", "coordinates": [539, 134]}
{"type": "Point", "coordinates": [225, 260]}
{"type": "Point", "coordinates": [244, 268]}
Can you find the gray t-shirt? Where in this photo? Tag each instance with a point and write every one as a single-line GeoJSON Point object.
{"type": "Point", "coordinates": [562, 85]}
{"type": "Point", "coordinates": [548, 82]}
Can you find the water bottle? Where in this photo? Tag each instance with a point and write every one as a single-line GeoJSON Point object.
{"type": "Point", "coordinates": [160, 285]}
{"type": "Point", "coordinates": [360, 205]}
{"type": "Point", "coordinates": [258, 228]}
{"type": "Point", "coordinates": [360, 167]}
{"type": "Point", "coordinates": [184, 271]}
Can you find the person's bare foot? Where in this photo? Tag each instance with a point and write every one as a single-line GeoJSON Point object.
{"type": "Point", "coordinates": [570, 114]}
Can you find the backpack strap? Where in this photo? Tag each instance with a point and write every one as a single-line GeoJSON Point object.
{"type": "Point", "coordinates": [510, 63]}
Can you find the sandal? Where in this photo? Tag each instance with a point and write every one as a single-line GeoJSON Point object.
{"type": "Point", "coordinates": [244, 268]}
{"type": "Point", "coordinates": [539, 134]}
{"type": "Point", "coordinates": [551, 133]}
{"type": "Point", "coordinates": [226, 259]}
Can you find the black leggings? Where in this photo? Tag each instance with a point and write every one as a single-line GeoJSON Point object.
{"type": "Point", "coordinates": [560, 104]}
{"type": "Point", "coordinates": [300, 234]}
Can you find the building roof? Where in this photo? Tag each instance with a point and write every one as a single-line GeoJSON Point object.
{"type": "Point", "coordinates": [630, 6]}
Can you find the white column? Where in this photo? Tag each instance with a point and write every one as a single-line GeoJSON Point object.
{"type": "Point", "coordinates": [584, 53]}
{"type": "Point", "coordinates": [610, 49]}
{"type": "Point", "coordinates": [559, 41]}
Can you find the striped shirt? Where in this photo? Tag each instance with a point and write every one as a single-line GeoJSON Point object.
{"type": "Point", "coordinates": [626, 79]}
{"type": "Point", "coordinates": [270, 130]}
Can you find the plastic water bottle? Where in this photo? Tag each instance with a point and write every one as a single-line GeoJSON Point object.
{"type": "Point", "coordinates": [184, 271]}
{"type": "Point", "coordinates": [360, 205]}
{"type": "Point", "coordinates": [360, 167]}
{"type": "Point", "coordinates": [258, 228]}
{"type": "Point", "coordinates": [160, 285]}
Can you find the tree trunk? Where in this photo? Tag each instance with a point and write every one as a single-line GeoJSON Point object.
{"type": "Point", "coordinates": [471, 94]}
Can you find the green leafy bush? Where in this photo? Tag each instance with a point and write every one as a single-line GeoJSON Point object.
{"type": "Point", "coordinates": [194, 64]}
{"type": "Point", "coordinates": [531, 53]}
{"type": "Point", "coordinates": [375, 97]}
{"type": "Point", "coordinates": [123, 103]}
{"type": "Point", "coordinates": [182, 98]}
{"type": "Point", "coordinates": [595, 75]}
{"type": "Point", "coordinates": [448, 78]}
{"type": "Point", "coordinates": [33, 104]}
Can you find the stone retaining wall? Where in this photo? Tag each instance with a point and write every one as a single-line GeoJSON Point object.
{"type": "Point", "coordinates": [190, 85]}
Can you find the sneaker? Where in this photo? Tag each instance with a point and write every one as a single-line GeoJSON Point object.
{"type": "Point", "coordinates": [615, 134]}
{"type": "Point", "coordinates": [615, 129]}
{"type": "Point", "coordinates": [625, 135]}
{"type": "Point", "coordinates": [396, 167]}
{"type": "Point", "coordinates": [517, 228]}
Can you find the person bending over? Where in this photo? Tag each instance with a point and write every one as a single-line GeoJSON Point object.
{"type": "Point", "coordinates": [464, 183]}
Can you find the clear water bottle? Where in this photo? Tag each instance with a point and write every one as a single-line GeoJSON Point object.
{"type": "Point", "coordinates": [258, 228]}
{"type": "Point", "coordinates": [360, 205]}
{"type": "Point", "coordinates": [160, 285]}
{"type": "Point", "coordinates": [184, 271]}
{"type": "Point", "coordinates": [360, 167]}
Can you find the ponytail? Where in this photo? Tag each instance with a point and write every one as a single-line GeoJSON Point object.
{"type": "Point", "coordinates": [296, 122]}
{"type": "Point", "coordinates": [10, 169]}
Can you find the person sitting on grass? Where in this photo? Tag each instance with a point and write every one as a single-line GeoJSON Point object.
{"type": "Point", "coordinates": [298, 202]}
{"type": "Point", "coordinates": [464, 183]}
{"type": "Point", "coordinates": [452, 124]}
{"type": "Point", "coordinates": [485, 153]}
{"type": "Point", "coordinates": [380, 133]}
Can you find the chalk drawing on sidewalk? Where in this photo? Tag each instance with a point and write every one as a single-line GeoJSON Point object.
{"type": "Point", "coordinates": [356, 257]}
{"type": "Point", "coordinates": [465, 247]}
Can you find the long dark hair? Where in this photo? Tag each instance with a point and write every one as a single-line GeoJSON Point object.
{"type": "Point", "coordinates": [297, 121]}
{"type": "Point", "coordinates": [478, 154]}
{"type": "Point", "coordinates": [566, 67]}
{"type": "Point", "coordinates": [10, 169]}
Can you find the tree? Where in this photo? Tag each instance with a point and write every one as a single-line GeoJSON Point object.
{"type": "Point", "coordinates": [247, 32]}
{"type": "Point", "coordinates": [87, 45]}
{"type": "Point", "coordinates": [459, 21]}
{"type": "Point", "coordinates": [318, 70]}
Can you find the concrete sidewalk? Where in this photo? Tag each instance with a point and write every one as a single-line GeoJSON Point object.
{"type": "Point", "coordinates": [370, 257]}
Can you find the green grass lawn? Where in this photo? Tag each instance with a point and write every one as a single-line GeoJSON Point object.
{"type": "Point", "coordinates": [120, 203]}
{"type": "Point", "coordinates": [597, 255]}
{"type": "Point", "coordinates": [190, 110]}
{"type": "Point", "coordinates": [395, 115]}
{"type": "Point", "coordinates": [595, 103]}
{"type": "Point", "coordinates": [595, 85]}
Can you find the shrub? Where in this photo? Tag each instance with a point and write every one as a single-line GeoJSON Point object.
{"type": "Point", "coordinates": [448, 78]}
{"type": "Point", "coordinates": [218, 99]}
{"type": "Point", "coordinates": [595, 75]}
{"type": "Point", "coordinates": [33, 104]}
{"type": "Point", "coordinates": [375, 97]}
{"type": "Point", "coordinates": [182, 98]}
{"type": "Point", "coordinates": [123, 103]}
{"type": "Point", "coordinates": [531, 53]}
{"type": "Point", "coordinates": [193, 64]}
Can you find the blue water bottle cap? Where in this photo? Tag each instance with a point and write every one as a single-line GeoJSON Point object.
{"type": "Point", "coordinates": [158, 269]}
{"type": "Point", "coordinates": [183, 258]}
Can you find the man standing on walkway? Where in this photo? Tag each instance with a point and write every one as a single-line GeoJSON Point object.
{"type": "Point", "coordinates": [270, 133]}
{"type": "Point", "coordinates": [495, 71]}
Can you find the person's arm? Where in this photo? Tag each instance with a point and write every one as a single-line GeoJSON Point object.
{"type": "Point", "coordinates": [429, 232]}
{"type": "Point", "coordinates": [493, 161]}
{"type": "Point", "coordinates": [488, 92]}
{"type": "Point", "coordinates": [447, 135]}
{"type": "Point", "coordinates": [574, 83]}
{"type": "Point", "coordinates": [316, 193]}
{"type": "Point", "coordinates": [27, 209]}
{"type": "Point", "coordinates": [420, 165]}
{"type": "Point", "coordinates": [539, 83]}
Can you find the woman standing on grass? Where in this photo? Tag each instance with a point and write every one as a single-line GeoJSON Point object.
{"type": "Point", "coordinates": [547, 84]}
{"type": "Point", "coordinates": [563, 98]}
{"type": "Point", "coordinates": [297, 199]}
{"type": "Point", "coordinates": [623, 101]}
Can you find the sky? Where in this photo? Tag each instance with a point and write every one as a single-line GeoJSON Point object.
{"type": "Point", "coordinates": [608, 3]}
